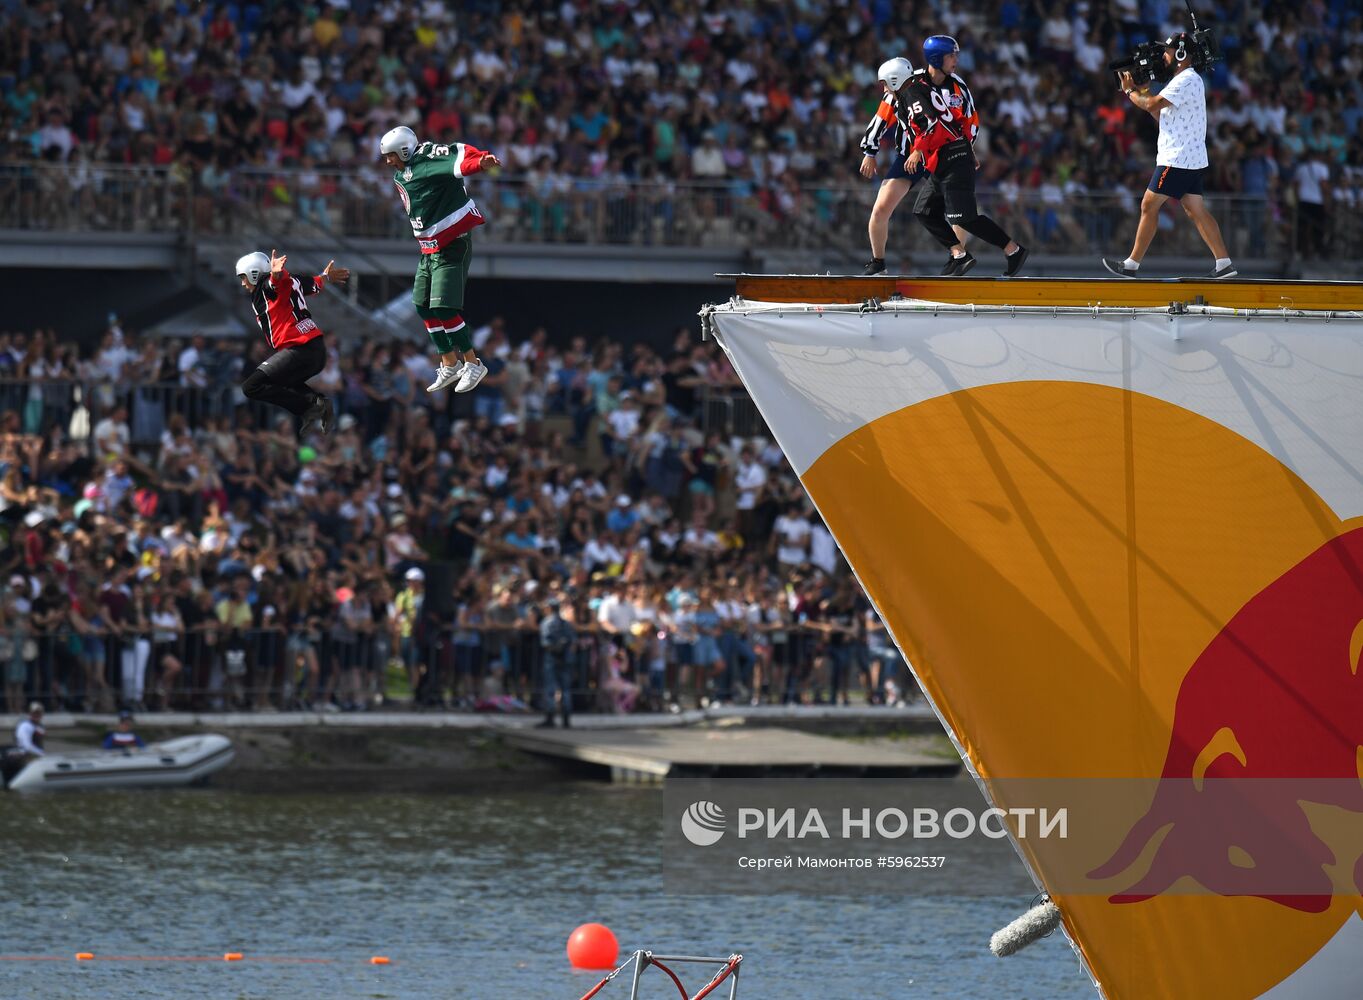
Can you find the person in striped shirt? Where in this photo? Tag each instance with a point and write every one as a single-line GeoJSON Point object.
{"type": "Point", "coordinates": [279, 300]}
{"type": "Point", "coordinates": [893, 74]}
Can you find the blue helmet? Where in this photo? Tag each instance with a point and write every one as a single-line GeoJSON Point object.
{"type": "Point", "coordinates": [937, 48]}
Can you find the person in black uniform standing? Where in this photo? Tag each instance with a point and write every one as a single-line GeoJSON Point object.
{"type": "Point", "coordinates": [944, 123]}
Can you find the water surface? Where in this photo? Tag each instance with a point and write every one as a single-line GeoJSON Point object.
{"type": "Point", "coordinates": [470, 896]}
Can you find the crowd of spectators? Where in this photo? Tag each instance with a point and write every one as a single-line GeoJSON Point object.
{"type": "Point", "coordinates": [767, 98]}
{"type": "Point", "coordinates": [168, 544]}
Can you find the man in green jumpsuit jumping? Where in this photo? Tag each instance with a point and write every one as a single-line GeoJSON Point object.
{"type": "Point", "coordinates": [430, 179]}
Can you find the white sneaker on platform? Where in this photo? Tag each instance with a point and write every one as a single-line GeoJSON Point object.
{"type": "Point", "coordinates": [472, 374]}
{"type": "Point", "coordinates": [445, 376]}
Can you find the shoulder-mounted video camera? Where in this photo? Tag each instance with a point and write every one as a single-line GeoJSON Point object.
{"type": "Point", "coordinates": [1147, 62]}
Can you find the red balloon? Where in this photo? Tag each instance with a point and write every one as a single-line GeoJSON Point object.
{"type": "Point", "coordinates": [593, 946]}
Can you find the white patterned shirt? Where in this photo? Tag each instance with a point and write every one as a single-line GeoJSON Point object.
{"type": "Point", "coordinates": [1183, 126]}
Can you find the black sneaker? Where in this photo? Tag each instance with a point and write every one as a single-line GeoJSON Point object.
{"type": "Point", "coordinates": [1228, 271]}
{"type": "Point", "coordinates": [1014, 261]}
{"type": "Point", "coordinates": [328, 415]}
{"type": "Point", "coordinates": [957, 266]}
{"type": "Point", "coordinates": [319, 413]}
{"type": "Point", "coordinates": [874, 266]}
{"type": "Point", "coordinates": [1118, 267]}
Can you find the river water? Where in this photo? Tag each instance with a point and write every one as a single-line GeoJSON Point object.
{"type": "Point", "coordinates": [470, 896]}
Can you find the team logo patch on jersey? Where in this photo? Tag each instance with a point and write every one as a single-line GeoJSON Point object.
{"type": "Point", "coordinates": [955, 100]}
{"type": "Point", "coordinates": [407, 174]}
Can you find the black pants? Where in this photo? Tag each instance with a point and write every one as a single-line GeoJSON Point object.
{"type": "Point", "coordinates": [1311, 229]}
{"type": "Point", "coordinates": [281, 378]}
{"type": "Point", "coordinates": [949, 199]}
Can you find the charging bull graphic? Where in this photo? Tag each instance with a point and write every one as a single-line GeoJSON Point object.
{"type": "Point", "coordinates": [1277, 697]}
{"type": "Point", "coordinates": [1109, 555]}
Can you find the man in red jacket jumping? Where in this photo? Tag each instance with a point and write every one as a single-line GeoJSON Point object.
{"type": "Point", "coordinates": [280, 303]}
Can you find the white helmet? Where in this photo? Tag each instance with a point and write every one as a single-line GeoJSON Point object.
{"type": "Point", "coordinates": [400, 140]}
{"type": "Point", "coordinates": [895, 72]}
{"type": "Point", "coordinates": [253, 266]}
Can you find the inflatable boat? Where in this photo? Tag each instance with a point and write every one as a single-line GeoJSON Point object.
{"type": "Point", "coordinates": [180, 761]}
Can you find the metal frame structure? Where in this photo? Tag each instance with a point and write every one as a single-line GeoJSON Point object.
{"type": "Point", "coordinates": [1082, 293]}
{"type": "Point", "coordinates": [641, 960]}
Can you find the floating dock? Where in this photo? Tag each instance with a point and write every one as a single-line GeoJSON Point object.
{"type": "Point", "coordinates": [653, 755]}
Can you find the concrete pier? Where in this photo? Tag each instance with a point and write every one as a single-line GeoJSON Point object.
{"type": "Point", "coordinates": [652, 755]}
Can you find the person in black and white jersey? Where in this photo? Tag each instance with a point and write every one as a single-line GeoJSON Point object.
{"type": "Point", "coordinates": [1181, 110]}
{"type": "Point", "coordinates": [898, 181]}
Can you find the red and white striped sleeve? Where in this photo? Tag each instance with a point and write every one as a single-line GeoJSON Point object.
{"type": "Point", "coordinates": [467, 159]}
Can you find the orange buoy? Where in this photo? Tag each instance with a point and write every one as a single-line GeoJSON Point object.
{"type": "Point", "coordinates": [232, 956]}
{"type": "Point", "coordinates": [379, 960]}
{"type": "Point", "coordinates": [84, 956]}
{"type": "Point", "coordinates": [593, 946]}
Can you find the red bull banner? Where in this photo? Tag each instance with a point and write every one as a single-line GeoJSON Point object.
{"type": "Point", "coordinates": [1122, 549]}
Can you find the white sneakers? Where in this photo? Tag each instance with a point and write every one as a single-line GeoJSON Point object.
{"type": "Point", "coordinates": [472, 374]}
{"type": "Point", "coordinates": [467, 373]}
{"type": "Point", "coordinates": [444, 376]}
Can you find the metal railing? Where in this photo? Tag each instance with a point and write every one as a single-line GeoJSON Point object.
{"type": "Point", "coordinates": [214, 668]}
{"type": "Point", "coordinates": [41, 405]}
{"type": "Point", "coordinates": [80, 197]}
{"type": "Point", "coordinates": [256, 226]}
{"type": "Point", "coordinates": [785, 215]}
{"type": "Point", "coordinates": [730, 411]}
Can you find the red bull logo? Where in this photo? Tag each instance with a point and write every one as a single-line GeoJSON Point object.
{"type": "Point", "coordinates": [1268, 719]}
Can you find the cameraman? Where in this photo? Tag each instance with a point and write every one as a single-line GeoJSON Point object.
{"type": "Point", "coordinates": [1181, 110]}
